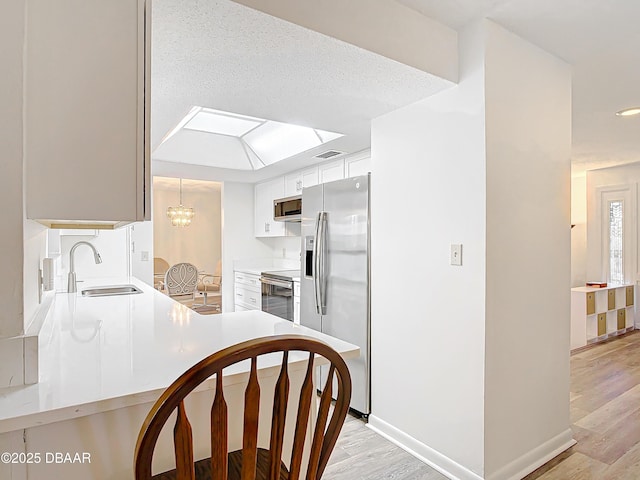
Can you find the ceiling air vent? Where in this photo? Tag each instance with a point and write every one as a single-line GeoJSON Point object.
{"type": "Point", "coordinates": [328, 154]}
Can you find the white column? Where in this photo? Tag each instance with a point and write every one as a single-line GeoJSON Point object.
{"type": "Point", "coordinates": [470, 364]}
{"type": "Point", "coordinates": [11, 185]}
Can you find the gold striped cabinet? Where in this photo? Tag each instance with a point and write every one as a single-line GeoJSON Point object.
{"type": "Point", "coordinates": [601, 313]}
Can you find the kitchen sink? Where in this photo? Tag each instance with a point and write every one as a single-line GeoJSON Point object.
{"type": "Point", "coordinates": [110, 290]}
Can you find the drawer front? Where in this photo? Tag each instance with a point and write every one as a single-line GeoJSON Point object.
{"type": "Point", "coordinates": [240, 308]}
{"type": "Point", "coordinates": [622, 319]}
{"type": "Point", "coordinates": [249, 298]}
{"type": "Point", "coordinates": [611, 299]}
{"type": "Point", "coordinates": [247, 279]}
{"type": "Point", "coordinates": [602, 323]}
{"type": "Point", "coordinates": [629, 296]}
{"type": "Point", "coordinates": [591, 303]}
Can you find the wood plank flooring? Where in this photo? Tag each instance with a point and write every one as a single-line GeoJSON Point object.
{"type": "Point", "coordinates": [605, 415]}
{"type": "Point", "coordinates": [362, 454]}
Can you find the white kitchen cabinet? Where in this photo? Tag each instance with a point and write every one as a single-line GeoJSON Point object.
{"type": "Point", "coordinates": [357, 165]}
{"type": "Point", "coordinates": [265, 194]}
{"type": "Point", "coordinates": [87, 112]}
{"type": "Point", "coordinates": [247, 292]}
{"type": "Point", "coordinates": [331, 171]}
{"type": "Point", "coordinates": [296, 181]}
{"type": "Point", "coordinates": [601, 313]}
{"type": "Point", "coordinates": [293, 184]}
{"type": "Point", "coordinates": [310, 176]}
{"type": "Point", "coordinates": [296, 303]}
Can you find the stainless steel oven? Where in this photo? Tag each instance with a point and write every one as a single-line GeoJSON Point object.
{"type": "Point", "coordinates": [277, 293]}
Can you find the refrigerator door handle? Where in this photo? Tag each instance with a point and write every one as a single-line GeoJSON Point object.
{"type": "Point", "coordinates": [316, 265]}
{"type": "Point", "coordinates": [322, 249]}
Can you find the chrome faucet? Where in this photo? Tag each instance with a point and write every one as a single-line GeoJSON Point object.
{"type": "Point", "coordinates": [71, 283]}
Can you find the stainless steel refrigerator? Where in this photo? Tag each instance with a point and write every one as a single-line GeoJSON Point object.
{"type": "Point", "coordinates": [334, 282]}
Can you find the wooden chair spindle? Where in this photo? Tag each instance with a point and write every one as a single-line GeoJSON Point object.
{"type": "Point", "coordinates": [280, 400]}
{"type": "Point", "coordinates": [219, 433]}
{"type": "Point", "coordinates": [183, 441]}
{"type": "Point", "coordinates": [250, 433]}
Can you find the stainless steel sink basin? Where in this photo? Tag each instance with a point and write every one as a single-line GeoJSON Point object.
{"type": "Point", "coordinates": [110, 290]}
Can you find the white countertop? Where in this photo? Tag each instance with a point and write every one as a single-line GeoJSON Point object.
{"type": "Point", "coordinates": [595, 289]}
{"type": "Point", "coordinates": [102, 353]}
{"type": "Point", "coordinates": [258, 271]}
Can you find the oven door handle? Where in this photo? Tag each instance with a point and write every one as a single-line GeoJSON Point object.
{"type": "Point", "coordinates": [277, 283]}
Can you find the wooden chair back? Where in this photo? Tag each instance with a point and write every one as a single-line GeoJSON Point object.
{"type": "Point", "coordinates": [325, 432]}
{"type": "Point", "coordinates": [160, 266]}
{"type": "Point", "coordinates": [181, 279]}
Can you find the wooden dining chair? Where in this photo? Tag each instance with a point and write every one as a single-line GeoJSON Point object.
{"type": "Point", "coordinates": [160, 267]}
{"type": "Point", "coordinates": [252, 462]}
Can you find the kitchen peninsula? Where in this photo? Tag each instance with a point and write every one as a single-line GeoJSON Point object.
{"type": "Point", "coordinates": [105, 360]}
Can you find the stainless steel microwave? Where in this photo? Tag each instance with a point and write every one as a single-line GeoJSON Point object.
{"type": "Point", "coordinates": [288, 209]}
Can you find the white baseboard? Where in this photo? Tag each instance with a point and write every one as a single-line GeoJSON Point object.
{"type": "Point", "coordinates": [422, 452]}
{"type": "Point", "coordinates": [515, 470]}
{"type": "Point", "coordinates": [535, 458]}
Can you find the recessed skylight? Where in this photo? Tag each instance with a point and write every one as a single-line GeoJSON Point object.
{"type": "Point", "coordinates": [215, 121]}
{"type": "Point", "coordinates": [276, 141]}
{"type": "Point", "coordinates": [264, 142]}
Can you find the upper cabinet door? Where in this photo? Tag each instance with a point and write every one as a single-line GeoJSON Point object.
{"type": "Point", "coordinates": [293, 184]}
{"type": "Point", "coordinates": [87, 102]}
{"type": "Point", "coordinates": [358, 165]}
{"type": "Point", "coordinates": [331, 171]}
{"type": "Point", "coordinates": [310, 177]}
{"type": "Point", "coordinates": [265, 194]}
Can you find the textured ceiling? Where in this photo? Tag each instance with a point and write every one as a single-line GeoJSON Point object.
{"type": "Point", "coordinates": [223, 55]}
{"type": "Point", "coordinates": [599, 38]}
{"type": "Point", "coordinates": [226, 56]}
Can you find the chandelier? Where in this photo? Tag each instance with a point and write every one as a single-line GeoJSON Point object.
{"type": "Point", "coordinates": [180, 216]}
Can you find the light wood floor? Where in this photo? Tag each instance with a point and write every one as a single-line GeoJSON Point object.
{"type": "Point", "coordinates": [361, 454]}
{"type": "Point", "coordinates": [605, 416]}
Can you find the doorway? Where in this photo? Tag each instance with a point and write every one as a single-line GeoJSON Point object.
{"type": "Point", "coordinates": [199, 242]}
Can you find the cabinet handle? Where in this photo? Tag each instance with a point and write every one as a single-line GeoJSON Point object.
{"type": "Point", "coordinates": [239, 295]}
{"type": "Point", "coordinates": [253, 300]}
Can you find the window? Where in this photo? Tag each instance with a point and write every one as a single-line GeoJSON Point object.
{"type": "Point", "coordinates": [616, 241]}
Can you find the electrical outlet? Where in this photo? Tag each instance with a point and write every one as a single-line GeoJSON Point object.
{"type": "Point", "coordinates": [144, 256]}
{"type": "Point", "coordinates": [456, 254]}
{"type": "Point", "coordinates": [284, 253]}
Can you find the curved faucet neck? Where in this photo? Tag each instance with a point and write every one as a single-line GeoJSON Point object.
{"type": "Point", "coordinates": [72, 252]}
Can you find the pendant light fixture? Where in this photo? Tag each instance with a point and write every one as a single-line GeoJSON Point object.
{"type": "Point", "coordinates": [180, 216]}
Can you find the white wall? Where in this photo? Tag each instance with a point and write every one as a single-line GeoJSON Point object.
{"type": "Point", "coordinates": [113, 247]}
{"type": "Point", "coordinates": [528, 132]}
{"type": "Point", "coordinates": [238, 236]}
{"type": "Point", "coordinates": [11, 180]}
{"type": "Point", "coordinates": [22, 241]}
{"type": "Point", "coordinates": [427, 321]}
{"type": "Point", "coordinates": [200, 242]}
{"type": "Point", "coordinates": [579, 231]}
{"type": "Point", "coordinates": [484, 164]}
{"type": "Point", "coordinates": [141, 235]}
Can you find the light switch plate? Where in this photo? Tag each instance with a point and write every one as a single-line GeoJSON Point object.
{"type": "Point", "coordinates": [144, 256]}
{"type": "Point", "coordinates": [456, 254]}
